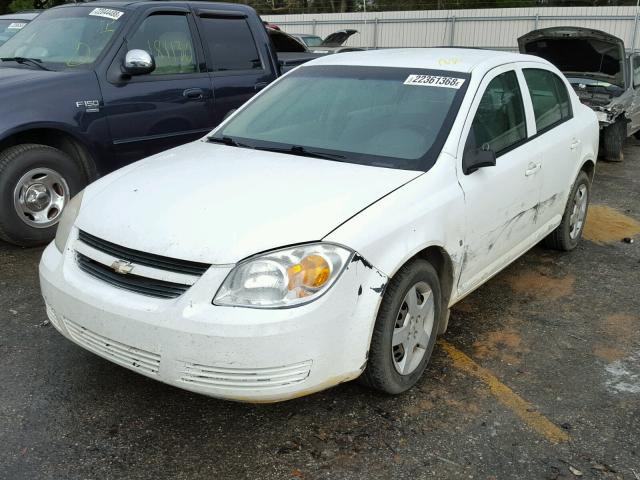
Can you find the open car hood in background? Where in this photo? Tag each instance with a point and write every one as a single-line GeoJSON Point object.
{"type": "Point", "coordinates": [576, 50]}
{"type": "Point", "coordinates": [336, 39]}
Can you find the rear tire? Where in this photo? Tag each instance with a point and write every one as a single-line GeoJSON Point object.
{"type": "Point", "coordinates": [567, 235]}
{"type": "Point", "coordinates": [613, 138]}
{"type": "Point", "coordinates": [409, 316]}
{"type": "Point", "coordinates": [36, 182]}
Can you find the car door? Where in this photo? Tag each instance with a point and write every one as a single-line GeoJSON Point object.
{"type": "Point", "coordinates": [556, 139]}
{"type": "Point", "coordinates": [634, 109]}
{"type": "Point", "coordinates": [170, 106]}
{"type": "Point", "coordinates": [237, 68]}
{"type": "Point", "coordinates": [499, 200]}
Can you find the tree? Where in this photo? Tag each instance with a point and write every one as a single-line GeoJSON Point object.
{"type": "Point", "coordinates": [18, 5]}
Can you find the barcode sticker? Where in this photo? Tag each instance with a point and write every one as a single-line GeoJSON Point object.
{"type": "Point", "coordinates": [106, 13]}
{"type": "Point", "coordinates": [434, 81]}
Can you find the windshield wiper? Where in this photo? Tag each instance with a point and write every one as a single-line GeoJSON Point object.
{"type": "Point", "coordinates": [26, 61]}
{"type": "Point", "coordinates": [303, 152]}
{"type": "Point", "coordinates": [228, 141]}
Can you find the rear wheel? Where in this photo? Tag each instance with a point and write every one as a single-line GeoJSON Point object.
{"type": "Point", "coordinates": [36, 182]}
{"type": "Point", "coordinates": [613, 138]}
{"type": "Point", "coordinates": [569, 232]}
{"type": "Point", "coordinates": [405, 330]}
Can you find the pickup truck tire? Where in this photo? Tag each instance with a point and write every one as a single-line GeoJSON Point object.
{"type": "Point", "coordinates": [411, 309]}
{"type": "Point", "coordinates": [567, 235]}
{"type": "Point", "coordinates": [36, 182]}
{"type": "Point", "coordinates": [613, 139]}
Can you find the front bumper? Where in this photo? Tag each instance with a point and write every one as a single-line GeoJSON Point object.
{"type": "Point", "coordinates": [242, 354]}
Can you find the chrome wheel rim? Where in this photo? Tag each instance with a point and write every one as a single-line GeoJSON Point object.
{"type": "Point", "coordinates": [579, 212]}
{"type": "Point", "coordinates": [40, 196]}
{"type": "Point", "coordinates": [413, 328]}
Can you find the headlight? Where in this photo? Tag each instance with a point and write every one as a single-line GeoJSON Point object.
{"type": "Point", "coordinates": [67, 219]}
{"type": "Point", "coordinates": [284, 278]}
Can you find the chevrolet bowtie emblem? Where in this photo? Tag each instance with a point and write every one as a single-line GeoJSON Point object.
{"type": "Point", "coordinates": [122, 267]}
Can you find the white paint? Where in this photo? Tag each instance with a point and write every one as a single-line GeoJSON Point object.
{"type": "Point", "coordinates": [16, 26]}
{"type": "Point", "coordinates": [219, 204]}
{"type": "Point", "coordinates": [624, 375]}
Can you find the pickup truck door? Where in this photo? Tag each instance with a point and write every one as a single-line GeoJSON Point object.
{"type": "Point", "coordinates": [499, 200]}
{"type": "Point", "coordinates": [237, 57]}
{"type": "Point", "coordinates": [170, 106]}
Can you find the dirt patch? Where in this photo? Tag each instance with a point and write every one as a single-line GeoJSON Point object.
{"type": "Point", "coordinates": [539, 283]}
{"type": "Point", "coordinates": [505, 345]}
{"type": "Point", "coordinates": [619, 330]}
{"type": "Point", "coordinates": [607, 225]}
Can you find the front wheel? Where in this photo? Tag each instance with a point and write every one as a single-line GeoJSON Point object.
{"type": "Point", "coordinates": [405, 330]}
{"type": "Point", "coordinates": [36, 182]}
{"type": "Point", "coordinates": [567, 235]}
{"type": "Point", "coordinates": [613, 140]}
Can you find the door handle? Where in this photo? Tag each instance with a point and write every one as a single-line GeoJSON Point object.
{"type": "Point", "coordinates": [260, 85]}
{"type": "Point", "coordinates": [574, 143]}
{"type": "Point", "coordinates": [532, 168]}
{"type": "Point", "coordinates": [193, 93]}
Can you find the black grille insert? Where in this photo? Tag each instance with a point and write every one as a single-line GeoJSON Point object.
{"type": "Point", "coordinates": [134, 283]}
{"type": "Point", "coordinates": [142, 258]}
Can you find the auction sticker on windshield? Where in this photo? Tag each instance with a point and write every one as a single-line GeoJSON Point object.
{"type": "Point", "coordinates": [106, 13]}
{"type": "Point", "coordinates": [434, 81]}
{"type": "Point", "coordinates": [16, 26]}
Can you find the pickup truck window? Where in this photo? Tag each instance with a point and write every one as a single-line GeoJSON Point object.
{"type": "Point", "coordinates": [549, 97]}
{"type": "Point", "coordinates": [168, 39]}
{"type": "Point", "coordinates": [231, 44]}
{"type": "Point", "coordinates": [387, 117]}
{"type": "Point", "coordinates": [65, 38]}
{"type": "Point", "coordinates": [500, 120]}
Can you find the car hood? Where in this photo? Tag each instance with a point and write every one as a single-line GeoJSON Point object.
{"type": "Point", "coordinates": [218, 204]}
{"type": "Point", "coordinates": [578, 52]}
{"type": "Point", "coordinates": [336, 39]}
{"type": "Point", "coordinates": [25, 78]}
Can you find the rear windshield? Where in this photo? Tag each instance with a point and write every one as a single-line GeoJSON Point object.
{"type": "Point", "coordinates": [389, 117]}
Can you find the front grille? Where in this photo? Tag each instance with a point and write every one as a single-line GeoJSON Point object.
{"type": "Point", "coordinates": [134, 283]}
{"type": "Point", "coordinates": [141, 258]}
{"type": "Point", "coordinates": [117, 352]}
{"type": "Point", "coordinates": [250, 378]}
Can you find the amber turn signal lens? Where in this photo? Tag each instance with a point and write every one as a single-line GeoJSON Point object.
{"type": "Point", "coordinates": [313, 271]}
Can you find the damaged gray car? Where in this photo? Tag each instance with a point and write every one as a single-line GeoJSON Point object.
{"type": "Point", "coordinates": [604, 76]}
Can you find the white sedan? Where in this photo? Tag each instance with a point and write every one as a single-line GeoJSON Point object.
{"type": "Point", "coordinates": [323, 231]}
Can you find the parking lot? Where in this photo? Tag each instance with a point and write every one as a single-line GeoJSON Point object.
{"type": "Point", "coordinates": [537, 377]}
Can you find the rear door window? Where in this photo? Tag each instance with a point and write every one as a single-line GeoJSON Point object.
{"type": "Point", "coordinates": [549, 96]}
{"type": "Point", "coordinates": [499, 123]}
{"type": "Point", "coordinates": [231, 44]}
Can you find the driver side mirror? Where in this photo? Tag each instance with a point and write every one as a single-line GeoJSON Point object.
{"type": "Point", "coordinates": [476, 158]}
{"type": "Point", "coordinates": [138, 62]}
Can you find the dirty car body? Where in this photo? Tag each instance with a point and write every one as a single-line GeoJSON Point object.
{"type": "Point", "coordinates": [598, 68]}
{"type": "Point", "coordinates": [264, 275]}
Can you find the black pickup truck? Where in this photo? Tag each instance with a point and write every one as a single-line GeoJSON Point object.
{"type": "Point", "coordinates": [88, 87]}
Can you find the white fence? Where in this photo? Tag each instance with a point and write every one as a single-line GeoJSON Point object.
{"type": "Point", "coordinates": [489, 28]}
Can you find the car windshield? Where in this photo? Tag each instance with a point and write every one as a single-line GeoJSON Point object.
{"type": "Point", "coordinates": [8, 28]}
{"type": "Point", "coordinates": [388, 117]}
{"type": "Point", "coordinates": [312, 41]}
{"type": "Point", "coordinates": [65, 38]}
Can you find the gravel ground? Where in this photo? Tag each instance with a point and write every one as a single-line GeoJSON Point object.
{"type": "Point", "coordinates": [555, 338]}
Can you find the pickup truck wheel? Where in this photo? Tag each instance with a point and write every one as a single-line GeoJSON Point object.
{"type": "Point", "coordinates": [405, 330]}
{"type": "Point", "coordinates": [612, 141]}
{"type": "Point", "coordinates": [567, 235]}
{"type": "Point", "coordinates": [36, 182]}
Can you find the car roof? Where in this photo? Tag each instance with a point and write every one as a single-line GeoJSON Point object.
{"type": "Point", "coordinates": [438, 58]}
{"type": "Point", "coordinates": [20, 16]}
{"type": "Point", "coordinates": [155, 3]}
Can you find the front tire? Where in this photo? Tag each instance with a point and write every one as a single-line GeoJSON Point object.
{"type": "Point", "coordinates": [613, 138]}
{"type": "Point", "coordinates": [36, 183]}
{"type": "Point", "coordinates": [405, 330]}
{"type": "Point", "coordinates": [567, 235]}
